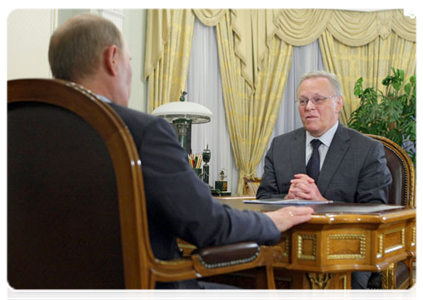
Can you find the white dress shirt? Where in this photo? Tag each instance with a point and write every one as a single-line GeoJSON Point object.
{"type": "Point", "coordinates": [326, 140]}
{"type": "Point", "coordinates": [104, 99]}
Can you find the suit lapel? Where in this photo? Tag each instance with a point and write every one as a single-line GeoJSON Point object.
{"type": "Point", "coordinates": [337, 150]}
{"type": "Point", "coordinates": [298, 153]}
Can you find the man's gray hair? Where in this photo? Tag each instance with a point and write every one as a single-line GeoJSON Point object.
{"type": "Point", "coordinates": [333, 80]}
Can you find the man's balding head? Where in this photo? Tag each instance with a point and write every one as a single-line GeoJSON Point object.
{"type": "Point", "coordinates": [77, 46]}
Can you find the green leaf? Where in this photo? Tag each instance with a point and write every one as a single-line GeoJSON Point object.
{"type": "Point", "coordinates": [407, 88]}
{"type": "Point", "coordinates": [392, 114]}
{"type": "Point", "coordinates": [401, 74]}
{"type": "Point", "coordinates": [387, 80]}
{"type": "Point", "coordinates": [358, 87]}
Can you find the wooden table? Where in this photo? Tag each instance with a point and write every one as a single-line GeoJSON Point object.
{"type": "Point", "coordinates": [339, 239]}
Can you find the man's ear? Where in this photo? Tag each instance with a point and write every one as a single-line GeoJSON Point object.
{"type": "Point", "coordinates": [339, 104]}
{"type": "Point", "coordinates": [110, 59]}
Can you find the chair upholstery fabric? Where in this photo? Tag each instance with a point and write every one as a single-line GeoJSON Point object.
{"type": "Point", "coordinates": [397, 191]}
{"type": "Point", "coordinates": [63, 211]}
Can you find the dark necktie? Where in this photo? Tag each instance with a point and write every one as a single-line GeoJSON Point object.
{"type": "Point", "coordinates": [313, 166]}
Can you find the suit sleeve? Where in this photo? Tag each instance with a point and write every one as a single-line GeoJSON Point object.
{"type": "Point", "coordinates": [184, 203]}
{"type": "Point", "coordinates": [375, 177]}
{"type": "Point", "coordinates": [269, 186]}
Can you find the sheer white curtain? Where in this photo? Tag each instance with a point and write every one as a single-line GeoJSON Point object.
{"type": "Point", "coordinates": [204, 87]}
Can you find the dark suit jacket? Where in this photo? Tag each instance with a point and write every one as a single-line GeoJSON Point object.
{"type": "Point", "coordinates": [354, 169]}
{"type": "Point", "coordinates": [178, 203]}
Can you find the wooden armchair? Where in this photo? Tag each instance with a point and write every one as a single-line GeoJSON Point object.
{"type": "Point", "coordinates": [76, 206]}
{"type": "Point", "coordinates": [402, 192]}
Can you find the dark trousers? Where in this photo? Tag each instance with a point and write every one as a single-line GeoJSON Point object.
{"type": "Point", "coordinates": [359, 290]}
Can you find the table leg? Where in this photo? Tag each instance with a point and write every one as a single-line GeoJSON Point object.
{"type": "Point", "coordinates": [304, 280]}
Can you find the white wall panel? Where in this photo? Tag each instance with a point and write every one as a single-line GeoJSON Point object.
{"type": "Point", "coordinates": [28, 35]}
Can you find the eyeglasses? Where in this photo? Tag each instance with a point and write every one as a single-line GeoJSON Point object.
{"type": "Point", "coordinates": [315, 101]}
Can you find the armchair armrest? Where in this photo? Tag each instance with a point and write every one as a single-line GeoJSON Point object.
{"type": "Point", "coordinates": [228, 255]}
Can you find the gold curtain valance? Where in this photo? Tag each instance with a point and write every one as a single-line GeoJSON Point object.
{"type": "Point", "coordinates": [255, 28]}
{"type": "Point", "coordinates": [210, 17]}
{"type": "Point", "coordinates": [404, 26]}
{"type": "Point", "coordinates": [354, 28]}
{"type": "Point", "coordinates": [300, 27]}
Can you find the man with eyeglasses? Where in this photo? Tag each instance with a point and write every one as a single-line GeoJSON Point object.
{"type": "Point", "coordinates": [324, 160]}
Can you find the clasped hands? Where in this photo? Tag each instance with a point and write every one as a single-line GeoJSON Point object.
{"type": "Point", "coordinates": [303, 187]}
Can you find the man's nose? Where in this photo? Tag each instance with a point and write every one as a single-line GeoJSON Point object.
{"type": "Point", "coordinates": [310, 105]}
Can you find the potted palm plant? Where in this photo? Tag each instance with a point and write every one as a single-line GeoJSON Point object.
{"type": "Point", "coordinates": [390, 113]}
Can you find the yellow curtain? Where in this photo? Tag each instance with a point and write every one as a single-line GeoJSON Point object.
{"type": "Point", "coordinates": [168, 50]}
{"type": "Point", "coordinates": [373, 62]}
{"type": "Point", "coordinates": [251, 112]}
{"type": "Point", "coordinates": [369, 48]}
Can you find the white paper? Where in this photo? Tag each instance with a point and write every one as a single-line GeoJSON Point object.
{"type": "Point", "coordinates": [285, 202]}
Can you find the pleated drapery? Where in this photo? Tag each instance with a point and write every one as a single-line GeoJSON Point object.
{"type": "Point", "coordinates": [168, 49]}
{"type": "Point", "coordinates": [251, 113]}
{"type": "Point", "coordinates": [255, 49]}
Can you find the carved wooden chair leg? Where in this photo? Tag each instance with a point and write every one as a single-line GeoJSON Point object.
{"type": "Point", "coordinates": [270, 274]}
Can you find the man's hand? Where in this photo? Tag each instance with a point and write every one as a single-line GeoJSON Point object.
{"type": "Point", "coordinates": [303, 187]}
{"type": "Point", "coordinates": [287, 217]}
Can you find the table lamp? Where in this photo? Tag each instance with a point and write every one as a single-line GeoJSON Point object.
{"type": "Point", "coordinates": [182, 114]}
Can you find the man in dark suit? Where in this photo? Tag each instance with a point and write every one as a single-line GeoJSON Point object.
{"type": "Point", "coordinates": [89, 50]}
{"type": "Point", "coordinates": [324, 160]}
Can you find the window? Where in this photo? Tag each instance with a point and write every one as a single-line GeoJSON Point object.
{"type": "Point", "coordinates": [114, 15]}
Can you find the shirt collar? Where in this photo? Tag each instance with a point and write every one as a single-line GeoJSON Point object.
{"type": "Point", "coordinates": [326, 138]}
{"type": "Point", "coordinates": [102, 98]}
